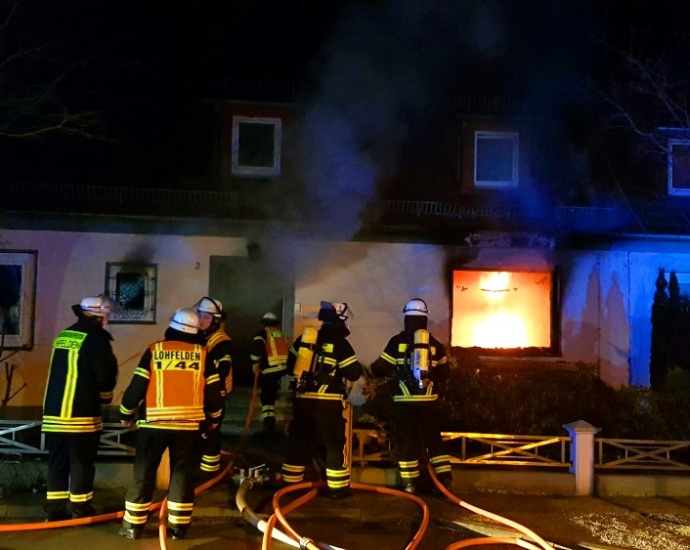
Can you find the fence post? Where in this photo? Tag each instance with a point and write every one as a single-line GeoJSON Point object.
{"type": "Point", "coordinates": [582, 455]}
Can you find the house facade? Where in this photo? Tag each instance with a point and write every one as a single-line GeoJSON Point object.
{"type": "Point", "coordinates": [285, 220]}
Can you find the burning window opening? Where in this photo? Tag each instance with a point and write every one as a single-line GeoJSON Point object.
{"type": "Point", "coordinates": [502, 310]}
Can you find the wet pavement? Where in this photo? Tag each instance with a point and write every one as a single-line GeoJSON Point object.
{"type": "Point", "coordinates": [364, 520]}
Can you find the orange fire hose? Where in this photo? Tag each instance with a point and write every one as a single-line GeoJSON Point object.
{"type": "Point", "coordinates": [280, 512]}
{"type": "Point", "coordinates": [516, 541]}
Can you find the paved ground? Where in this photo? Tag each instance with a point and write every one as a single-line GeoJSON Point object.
{"type": "Point", "coordinates": [369, 520]}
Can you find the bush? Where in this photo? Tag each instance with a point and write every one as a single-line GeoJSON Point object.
{"type": "Point", "coordinates": [539, 401]}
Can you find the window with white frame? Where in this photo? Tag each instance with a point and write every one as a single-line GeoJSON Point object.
{"type": "Point", "coordinates": [679, 167]}
{"type": "Point", "coordinates": [256, 146]}
{"type": "Point", "coordinates": [495, 159]}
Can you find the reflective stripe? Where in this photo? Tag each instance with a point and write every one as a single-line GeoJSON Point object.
{"type": "Point", "coordinates": [420, 398]}
{"type": "Point", "coordinates": [315, 395]}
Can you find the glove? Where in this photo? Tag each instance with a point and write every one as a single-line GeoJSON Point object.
{"type": "Point", "coordinates": [255, 369]}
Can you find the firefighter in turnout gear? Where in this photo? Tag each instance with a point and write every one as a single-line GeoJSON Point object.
{"type": "Point", "coordinates": [416, 362]}
{"type": "Point", "coordinates": [219, 349]}
{"type": "Point", "coordinates": [174, 395]}
{"type": "Point", "coordinates": [83, 373]}
{"type": "Point", "coordinates": [269, 353]}
{"type": "Point", "coordinates": [322, 362]}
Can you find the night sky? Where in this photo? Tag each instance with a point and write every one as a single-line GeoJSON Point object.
{"type": "Point", "coordinates": [138, 69]}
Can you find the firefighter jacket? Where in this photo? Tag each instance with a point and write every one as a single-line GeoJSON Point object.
{"type": "Point", "coordinates": [175, 386]}
{"type": "Point", "coordinates": [395, 361]}
{"type": "Point", "coordinates": [82, 375]}
{"type": "Point", "coordinates": [219, 349]}
{"type": "Point", "coordinates": [270, 350]}
{"type": "Point", "coordinates": [333, 364]}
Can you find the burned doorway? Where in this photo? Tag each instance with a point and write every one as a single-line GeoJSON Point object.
{"type": "Point", "coordinates": [248, 287]}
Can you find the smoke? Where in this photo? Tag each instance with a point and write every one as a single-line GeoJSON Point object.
{"type": "Point", "coordinates": [386, 67]}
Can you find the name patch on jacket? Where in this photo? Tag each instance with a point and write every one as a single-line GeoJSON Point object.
{"type": "Point", "coordinates": [185, 359]}
{"type": "Point", "coordinates": [69, 339]}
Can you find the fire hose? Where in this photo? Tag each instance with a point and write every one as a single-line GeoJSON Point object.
{"type": "Point", "coordinates": [528, 540]}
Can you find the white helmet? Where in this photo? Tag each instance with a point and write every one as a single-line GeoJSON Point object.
{"type": "Point", "coordinates": [210, 306]}
{"type": "Point", "coordinates": [270, 317]}
{"type": "Point", "coordinates": [185, 320]}
{"type": "Point", "coordinates": [96, 306]}
{"type": "Point", "coordinates": [416, 306]}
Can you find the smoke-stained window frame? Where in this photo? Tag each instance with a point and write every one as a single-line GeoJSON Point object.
{"type": "Point", "coordinates": [28, 261]}
{"type": "Point", "coordinates": [123, 315]}
{"type": "Point", "coordinates": [514, 137]}
{"type": "Point", "coordinates": [261, 171]}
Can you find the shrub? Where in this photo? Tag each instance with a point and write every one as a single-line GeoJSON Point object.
{"type": "Point", "coordinates": [539, 401]}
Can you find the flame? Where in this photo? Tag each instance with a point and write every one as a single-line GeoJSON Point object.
{"type": "Point", "coordinates": [502, 330]}
{"type": "Point", "coordinates": [501, 309]}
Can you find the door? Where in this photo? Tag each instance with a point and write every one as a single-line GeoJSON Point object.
{"type": "Point", "coordinates": [248, 288]}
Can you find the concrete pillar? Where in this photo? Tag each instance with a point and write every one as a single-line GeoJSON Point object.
{"type": "Point", "coordinates": [582, 455]}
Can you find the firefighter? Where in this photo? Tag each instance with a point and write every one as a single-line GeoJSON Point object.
{"type": "Point", "coordinates": [82, 375]}
{"type": "Point", "coordinates": [219, 349]}
{"type": "Point", "coordinates": [174, 394]}
{"type": "Point", "coordinates": [269, 353]}
{"type": "Point", "coordinates": [416, 362]}
{"type": "Point", "coordinates": [322, 362]}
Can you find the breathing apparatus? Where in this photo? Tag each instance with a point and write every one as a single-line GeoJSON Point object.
{"type": "Point", "coordinates": [305, 356]}
{"type": "Point", "coordinates": [416, 313]}
{"type": "Point", "coordinates": [420, 358]}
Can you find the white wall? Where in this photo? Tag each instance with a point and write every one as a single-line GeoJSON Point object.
{"type": "Point", "coordinates": [72, 265]}
{"type": "Point", "coordinates": [605, 313]}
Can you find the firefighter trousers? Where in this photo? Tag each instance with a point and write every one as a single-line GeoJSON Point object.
{"type": "Point", "coordinates": [183, 446]}
{"type": "Point", "coordinates": [270, 384]}
{"type": "Point", "coordinates": [210, 448]}
{"type": "Point", "coordinates": [71, 471]}
{"type": "Point", "coordinates": [317, 431]}
{"type": "Point", "coordinates": [417, 439]}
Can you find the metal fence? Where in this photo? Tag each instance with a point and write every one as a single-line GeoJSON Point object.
{"type": "Point", "coordinates": [373, 445]}
{"type": "Point", "coordinates": [25, 437]}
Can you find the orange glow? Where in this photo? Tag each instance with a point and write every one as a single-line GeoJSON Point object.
{"type": "Point", "coordinates": [501, 309]}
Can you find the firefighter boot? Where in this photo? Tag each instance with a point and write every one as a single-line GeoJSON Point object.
{"type": "Point", "coordinates": [57, 511]}
{"type": "Point", "coordinates": [408, 486]}
{"type": "Point", "coordinates": [83, 510]}
{"type": "Point", "coordinates": [177, 532]}
{"type": "Point", "coordinates": [129, 531]}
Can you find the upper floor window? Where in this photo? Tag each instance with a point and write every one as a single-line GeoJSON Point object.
{"type": "Point", "coordinates": [679, 167]}
{"type": "Point", "coordinates": [256, 146]}
{"type": "Point", "coordinates": [495, 159]}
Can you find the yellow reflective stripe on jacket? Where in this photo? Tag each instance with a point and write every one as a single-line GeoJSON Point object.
{"type": "Point", "coordinates": [216, 338]}
{"type": "Point", "coordinates": [407, 396]}
{"type": "Point", "coordinates": [318, 395]}
{"type": "Point", "coordinates": [279, 368]}
{"type": "Point", "coordinates": [71, 342]}
{"type": "Point", "coordinates": [399, 398]}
